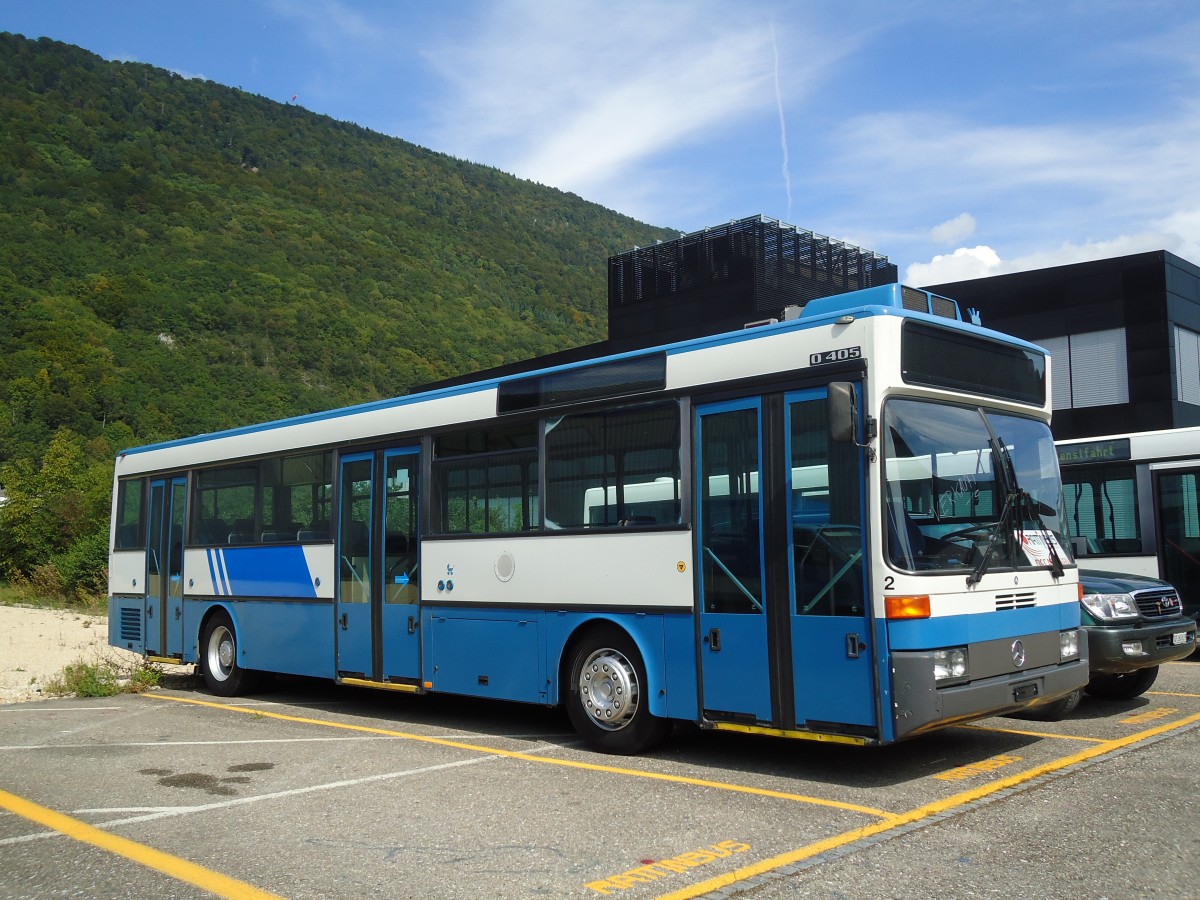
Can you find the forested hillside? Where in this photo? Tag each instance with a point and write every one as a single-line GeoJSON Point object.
{"type": "Point", "coordinates": [177, 256]}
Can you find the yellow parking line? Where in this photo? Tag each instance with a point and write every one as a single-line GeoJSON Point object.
{"type": "Point", "coordinates": [529, 757]}
{"type": "Point", "coordinates": [1172, 694]}
{"type": "Point", "coordinates": [1039, 734]}
{"type": "Point", "coordinates": [179, 869]}
{"type": "Point", "coordinates": [921, 812]}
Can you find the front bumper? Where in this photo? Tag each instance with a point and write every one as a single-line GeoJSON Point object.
{"type": "Point", "coordinates": [1000, 685]}
{"type": "Point", "coordinates": [1158, 643]}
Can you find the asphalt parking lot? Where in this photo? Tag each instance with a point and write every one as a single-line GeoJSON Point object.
{"type": "Point", "coordinates": [309, 790]}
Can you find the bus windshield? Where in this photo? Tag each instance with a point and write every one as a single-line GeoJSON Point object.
{"type": "Point", "coordinates": [970, 490]}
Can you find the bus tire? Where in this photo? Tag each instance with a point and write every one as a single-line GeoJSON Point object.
{"type": "Point", "coordinates": [606, 694]}
{"type": "Point", "coordinates": [218, 658]}
{"type": "Point", "coordinates": [1122, 687]}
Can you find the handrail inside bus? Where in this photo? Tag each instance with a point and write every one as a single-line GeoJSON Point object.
{"type": "Point", "coordinates": [353, 571]}
{"type": "Point", "coordinates": [741, 587]}
{"type": "Point", "coordinates": [854, 558]}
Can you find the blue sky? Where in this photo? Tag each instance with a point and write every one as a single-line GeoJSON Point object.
{"type": "Point", "coordinates": [960, 139]}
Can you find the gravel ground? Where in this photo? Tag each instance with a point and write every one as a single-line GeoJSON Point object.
{"type": "Point", "coordinates": [37, 644]}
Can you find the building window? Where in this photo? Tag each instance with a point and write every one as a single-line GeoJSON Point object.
{"type": "Point", "coordinates": [1187, 366]}
{"type": "Point", "coordinates": [1089, 369]}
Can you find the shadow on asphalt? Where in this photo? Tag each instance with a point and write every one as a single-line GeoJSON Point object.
{"type": "Point", "coordinates": [699, 753]}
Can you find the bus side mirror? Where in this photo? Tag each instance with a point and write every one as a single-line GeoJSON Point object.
{"type": "Point", "coordinates": [842, 409]}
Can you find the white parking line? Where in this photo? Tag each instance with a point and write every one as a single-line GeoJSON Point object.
{"type": "Point", "coordinates": [242, 801]}
{"type": "Point", "coordinates": [9, 708]}
{"type": "Point", "coordinates": [94, 746]}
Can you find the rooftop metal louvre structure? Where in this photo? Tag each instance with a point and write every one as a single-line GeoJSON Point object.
{"type": "Point", "coordinates": [758, 264]}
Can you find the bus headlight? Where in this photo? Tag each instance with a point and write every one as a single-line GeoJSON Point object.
{"type": "Point", "coordinates": [1068, 645]}
{"type": "Point", "coordinates": [1110, 606]}
{"type": "Point", "coordinates": [950, 665]}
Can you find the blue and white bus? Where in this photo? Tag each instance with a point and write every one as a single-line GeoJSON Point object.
{"type": "Point", "coordinates": [843, 526]}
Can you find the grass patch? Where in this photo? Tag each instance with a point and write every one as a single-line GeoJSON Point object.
{"type": "Point", "coordinates": [32, 592]}
{"type": "Point", "coordinates": [104, 678]}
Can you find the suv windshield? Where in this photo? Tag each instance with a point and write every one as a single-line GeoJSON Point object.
{"type": "Point", "coordinates": [955, 502]}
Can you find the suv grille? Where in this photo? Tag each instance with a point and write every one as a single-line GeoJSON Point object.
{"type": "Point", "coordinates": [1158, 604]}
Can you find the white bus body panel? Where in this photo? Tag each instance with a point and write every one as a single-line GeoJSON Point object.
{"type": "Point", "coordinates": [603, 569]}
{"type": "Point", "coordinates": [127, 572]}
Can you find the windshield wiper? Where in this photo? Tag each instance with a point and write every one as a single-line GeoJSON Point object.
{"type": "Point", "coordinates": [1016, 501]}
{"type": "Point", "coordinates": [1001, 529]}
{"type": "Point", "coordinates": [1007, 477]}
{"type": "Point", "coordinates": [1057, 569]}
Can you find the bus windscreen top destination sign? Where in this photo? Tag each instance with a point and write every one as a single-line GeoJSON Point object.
{"type": "Point", "coordinates": [1094, 451]}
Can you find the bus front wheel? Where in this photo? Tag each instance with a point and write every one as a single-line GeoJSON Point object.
{"type": "Point", "coordinates": [1055, 709]}
{"type": "Point", "coordinates": [219, 658]}
{"type": "Point", "coordinates": [606, 695]}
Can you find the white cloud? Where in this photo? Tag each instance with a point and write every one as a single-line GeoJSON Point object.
{"type": "Point", "coordinates": [334, 26]}
{"type": "Point", "coordinates": [574, 95]}
{"type": "Point", "coordinates": [954, 230]}
{"type": "Point", "coordinates": [983, 261]}
{"type": "Point", "coordinates": [1086, 190]}
{"type": "Point", "coordinates": [592, 98]}
{"type": "Point", "coordinates": [964, 263]}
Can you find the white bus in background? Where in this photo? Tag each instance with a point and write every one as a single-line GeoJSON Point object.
{"type": "Point", "coordinates": [1133, 505]}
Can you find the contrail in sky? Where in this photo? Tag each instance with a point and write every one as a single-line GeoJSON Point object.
{"type": "Point", "coordinates": [783, 143]}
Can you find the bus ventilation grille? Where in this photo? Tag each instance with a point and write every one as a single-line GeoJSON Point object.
{"type": "Point", "coordinates": [131, 624]}
{"type": "Point", "coordinates": [1016, 601]}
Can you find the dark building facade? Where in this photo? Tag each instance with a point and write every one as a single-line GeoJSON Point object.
{"type": "Point", "coordinates": [724, 277]}
{"type": "Point", "coordinates": [1123, 333]}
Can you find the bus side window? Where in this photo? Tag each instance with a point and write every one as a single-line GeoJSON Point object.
{"type": "Point", "coordinates": [614, 469]}
{"type": "Point", "coordinates": [130, 534]}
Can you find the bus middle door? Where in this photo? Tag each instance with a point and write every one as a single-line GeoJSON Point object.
{"type": "Point", "coordinates": [735, 670]}
{"type": "Point", "coordinates": [164, 568]}
{"type": "Point", "coordinates": [378, 615]}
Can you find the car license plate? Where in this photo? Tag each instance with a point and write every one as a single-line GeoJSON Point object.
{"type": "Point", "coordinates": [1179, 637]}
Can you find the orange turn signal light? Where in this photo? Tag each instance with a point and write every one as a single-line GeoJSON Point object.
{"type": "Point", "coordinates": [907, 607]}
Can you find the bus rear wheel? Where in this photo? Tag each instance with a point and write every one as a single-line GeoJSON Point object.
{"type": "Point", "coordinates": [219, 658]}
{"type": "Point", "coordinates": [606, 695]}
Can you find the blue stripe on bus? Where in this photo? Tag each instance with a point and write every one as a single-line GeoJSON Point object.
{"type": "Point", "coordinates": [212, 570]}
{"type": "Point", "coordinates": [951, 631]}
{"type": "Point", "coordinates": [279, 571]}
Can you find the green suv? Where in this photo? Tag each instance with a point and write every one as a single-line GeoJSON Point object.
{"type": "Point", "coordinates": [1133, 625]}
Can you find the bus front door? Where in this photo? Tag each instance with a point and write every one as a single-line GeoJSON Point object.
{"type": "Point", "coordinates": [164, 568]}
{"type": "Point", "coordinates": [784, 630]}
{"type": "Point", "coordinates": [830, 635]}
{"type": "Point", "coordinates": [378, 614]}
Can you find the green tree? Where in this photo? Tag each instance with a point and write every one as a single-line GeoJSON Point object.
{"type": "Point", "coordinates": [57, 510]}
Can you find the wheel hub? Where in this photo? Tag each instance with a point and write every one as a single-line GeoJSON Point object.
{"type": "Point", "coordinates": [608, 689]}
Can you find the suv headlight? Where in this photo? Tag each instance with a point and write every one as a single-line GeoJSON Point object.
{"type": "Point", "coordinates": [1110, 606]}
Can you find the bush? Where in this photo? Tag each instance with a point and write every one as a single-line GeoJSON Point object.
{"type": "Point", "coordinates": [82, 568]}
{"type": "Point", "coordinates": [83, 679]}
{"type": "Point", "coordinates": [104, 678]}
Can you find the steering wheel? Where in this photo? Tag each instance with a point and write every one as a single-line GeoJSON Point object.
{"type": "Point", "coordinates": [957, 553]}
